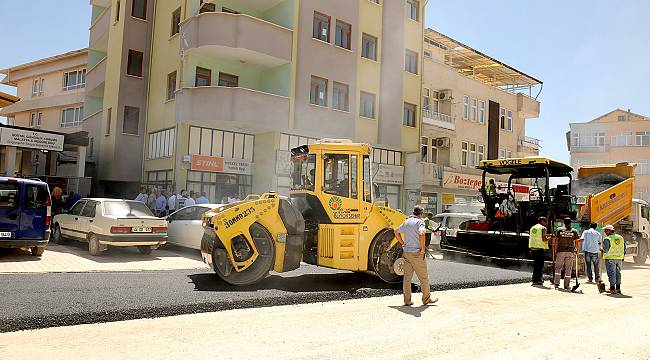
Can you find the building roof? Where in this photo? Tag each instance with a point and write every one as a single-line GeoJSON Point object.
{"type": "Point", "coordinates": [611, 112]}
{"type": "Point", "coordinates": [7, 99]}
{"type": "Point", "coordinates": [473, 63]}
{"type": "Point", "coordinates": [38, 62]}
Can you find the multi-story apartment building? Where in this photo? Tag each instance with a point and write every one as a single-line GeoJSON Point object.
{"type": "Point", "coordinates": [617, 136]}
{"type": "Point", "coordinates": [51, 95]}
{"type": "Point", "coordinates": [474, 107]}
{"type": "Point", "coordinates": [226, 88]}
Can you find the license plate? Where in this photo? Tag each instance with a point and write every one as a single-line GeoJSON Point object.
{"type": "Point", "coordinates": [5, 234]}
{"type": "Point", "coordinates": [141, 229]}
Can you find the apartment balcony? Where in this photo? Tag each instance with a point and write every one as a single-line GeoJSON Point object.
{"type": "Point", "coordinates": [241, 106]}
{"type": "Point", "coordinates": [527, 106]}
{"type": "Point", "coordinates": [238, 37]}
{"type": "Point", "coordinates": [589, 148]}
{"type": "Point", "coordinates": [95, 79]}
{"type": "Point", "coordinates": [529, 145]}
{"type": "Point", "coordinates": [99, 30]}
{"type": "Point", "coordinates": [437, 119]}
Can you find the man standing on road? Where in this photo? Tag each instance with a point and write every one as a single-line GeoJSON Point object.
{"type": "Point", "coordinates": [411, 236]}
{"type": "Point", "coordinates": [591, 244]}
{"type": "Point", "coordinates": [203, 199]}
{"type": "Point", "coordinates": [428, 228]}
{"type": "Point", "coordinates": [161, 204]}
{"type": "Point", "coordinates": [566, 247]}
{"type": "Point", "coordinates": [142, 196]}
{"type": "Point", "coordinates": [57, 201]}
{"type": "Point", "coordinates": [190, 200]}
{"type": "Point", "coordinates": [614, 252]}
{"type": "Point", "coordinates": [538, 245]}
{"type": "Point", "coordinates": [171, 203]}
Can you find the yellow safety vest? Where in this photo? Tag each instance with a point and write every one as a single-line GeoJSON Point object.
{"type": "Point", "coordinates": [535, 240]}
{"type": "Point", "coordinates": [616, 248]}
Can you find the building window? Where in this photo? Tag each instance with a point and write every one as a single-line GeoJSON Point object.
{"type": "Point", "coordinates": [369, 47]}
{"type": "Point", "coordinates": [474, 110]}
{"type": "Point", "coordinates": [599, 139]}
{"type": "Point", "coordinates": [621, 118]}
{"type": "Point", "coordinates": [472, 154]}
{"type": "Point", "coordinates": [35, 87]}
{"type": "Point", "coordinates": [134, 63]}
{"type": "Point", "coordinates": [343, 34]}
{"type": "Point", "coordinates": [131, 123]}
{"type": "Point", "coordinates": [367, 105]}
{"type": "Point", "coordinates": [38, 88]}
{"type": "Point", "coordinates": [509, 121]}
{"type": "Point", "coordinates": [218, 187]}
{"type": "Point", "coordinates": [318, 91]}
{"type": "Point", "coordinates": [481, 153]}
{"type": "Point", "coordinates": [74, 80]}
{"type": "Point", "coordinates": [413, 9]}
{"type": "Point", "coordinates": [426, 99]}
{"type": "Point", "coordinates": [464, 153]}
{"type": "Point", "coordinates": [321, 27]}
{"type": "Point", "coordinates": [388, 157]}
{"type": "Point", "coordinates": [505, 154]}
{"type": "Point", "coordinates": [160, 179]}
{"type": "Point", "coordinates": [375, 1]}
{"type": "Point", "coordinates": [424, 149]}
{"type": "Point", "coordinates": [36, 120]}
{"type": "Point", "coordinates": [161, 144]}
{"type": "Point", "coordinates": [465, 107]}
{"type": "Point", "coordinates": [506, 119]}
{"type": "Point", "coordinates": [411, 62]}
{"type": "Point", "coordinates": [203, 77]}
{"type": "Point", "coordinates": [228, 80]}
{"type": "Point", "coordinates": [643, 138]}
{"type": "Point", "coordinates": [481, 111]}
{"type": "Point", "coordinates": [109, 114]}
{"type": "Point", "coordinates": [171, 85]}
{"type": "Point", "coordinates": [409, 115]}
{"type": "Point", "coordinates": [340, 99]}
{"type": "Point", "coordinates": [624, 139]}
{"type": "Point", "coordinates": [206, 7]}
{"type": "Point", "coordinates": [71, 117]}
{"type": "Point", "coordinates": [176, 21]}
{"type": "Point", "coordinates": [117, 11]}
{"type": "Point", "coordinates": [139, 9]}
{"type": "Point", "coordinates": [427, 54]}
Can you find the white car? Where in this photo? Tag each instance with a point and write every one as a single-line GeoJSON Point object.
{"type": "Point", "coordinates": [446, 224]}
{"type": "Point", "coordinates": [186, 225]}
{"type": "Point", "coordinates": [114, 222]}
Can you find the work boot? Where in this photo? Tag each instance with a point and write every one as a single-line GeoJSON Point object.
{"type": "Point", "coordinates": [612, 290]}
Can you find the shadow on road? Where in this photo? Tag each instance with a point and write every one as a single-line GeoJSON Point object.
{"type": "Point", "coordinates": [17, 255]}
{"type": "Point", "coordinates": [112, 255]}
{"type": "Point", "coordinates": [348, 282]}
{"type": "Point", "coordinates": [415, 311]}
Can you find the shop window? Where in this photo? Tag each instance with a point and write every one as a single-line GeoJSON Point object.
{"type": "Point", "coordinates": [219, 187]}
{"type": "Point", "coordinates": [390, 194]}
{"type": "Point", "coordinates": [337, 174]}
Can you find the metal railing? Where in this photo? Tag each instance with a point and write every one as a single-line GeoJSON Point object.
{"type": "Point", "coordinates": [437, 116]}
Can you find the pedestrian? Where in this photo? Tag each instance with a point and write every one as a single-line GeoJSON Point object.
{"type": "Point", "coordinates": [161, 204]}
{"type": "Point", "coordinates": [180, 201]}
{"type": "Point", "coordinates": [614, 252]}
{"type": "Point", "coordinates": [591, 245]}
{"type": "Point", "coordinates": [538, 246]}
{"type": "Point", "coordinates": [203, 199]}
{"type": "Point", "coordinates": [142, 196]}
{"type": "Point", "coordinates": [57, 201]}
{"type": "Point", "coordinates": [171, 202]}
{"type": "Point", "coordinates": [410, 235]}
{"type": "Point", "coordinates": [428, 228]}
{"type": "Point", "coordinates": [191, 200]}
{"type": "Point", "coordinates": [151, 199]}
{"type": "Point", "coordinates": [566, 249]}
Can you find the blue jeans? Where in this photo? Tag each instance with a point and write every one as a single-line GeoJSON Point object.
{"type": "Point", "coordinates": [592, 258]}
{"type": "Point", "coordinates": [614, 272]}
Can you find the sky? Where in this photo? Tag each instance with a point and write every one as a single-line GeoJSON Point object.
{"type": "Point", "coordinates": [592, 55]}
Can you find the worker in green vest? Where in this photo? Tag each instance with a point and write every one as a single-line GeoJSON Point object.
{"type": "Point", "coordinates": [428, 230]}
{"type": "Point", "coordinates": [538, 245]}
{"type": "Point", "coordinates": [614, 252]}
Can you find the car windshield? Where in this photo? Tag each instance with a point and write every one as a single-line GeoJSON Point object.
{"type": "Point", "coordinates": [454, 222]}
{"type": "Point", "coordinates": [303, 173]}
{"type": "Point", "coordinates": [126, 208]}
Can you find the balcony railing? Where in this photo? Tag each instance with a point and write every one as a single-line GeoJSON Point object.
{"type": "Point", "coordinates": [530, 143]}
{"type": "Point", "coordinates": [438, 119]}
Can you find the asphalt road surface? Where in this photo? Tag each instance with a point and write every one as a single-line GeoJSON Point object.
{"type": "Point", "coordinates": [31, 301]}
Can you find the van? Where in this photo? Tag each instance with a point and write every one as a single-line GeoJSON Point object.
{"type": "Point", "coordinates": [25, 214]}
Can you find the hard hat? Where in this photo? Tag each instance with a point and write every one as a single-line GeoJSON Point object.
{"type": "Point", "coordinates": [609, 227]}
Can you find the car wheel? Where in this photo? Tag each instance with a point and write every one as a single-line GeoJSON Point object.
{"type": "Point", "coordinates": [38, 250]}
{"type": "Point", "coordinates": [94, 247]}
{"type": "Point", "coordinates": [57, 237]}
{"type": "Point", "coordinates": [145, 250]}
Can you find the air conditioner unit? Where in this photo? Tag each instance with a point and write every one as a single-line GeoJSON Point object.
{"type": "Point", "coordinates": [444, 95]}
{"type": "Point", "coordinates": [442, 143]}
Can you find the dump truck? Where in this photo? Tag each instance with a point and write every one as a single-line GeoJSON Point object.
{"type": "Point", "coordinates": [329, 220]}
{"type": "Point", "coordinates": [605, 196]}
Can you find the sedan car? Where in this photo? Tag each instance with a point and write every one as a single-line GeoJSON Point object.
{"type": "Point", "coordinates": [114, 222]}
{"type": "Point", "coordinates": [185, 225]}
{"type": "Point", "coordinates": [447, 224]}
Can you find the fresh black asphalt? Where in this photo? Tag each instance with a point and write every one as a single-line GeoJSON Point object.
{"type": "Point", "coordinates": [31, 301]}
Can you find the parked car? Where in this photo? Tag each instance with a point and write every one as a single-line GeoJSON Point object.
{"type": "Point", "coordinates": [114, 222]}
{"type": "Point", "coordinates": [25, 214]}
{"type": "Point", "coordinates": [447, 224]}
{"type": "Point", "coordinates": [186, 227]}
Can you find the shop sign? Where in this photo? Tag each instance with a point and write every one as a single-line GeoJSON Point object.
{"type": "Point", "coordinates": [219, 164]}
{"type": "Point", "coordinates": [283, 163]}
{"type": "Point", "coordinates": [388, 174]}
{"type": "Point", "coordinates": [31, 139]}
{"type": "Point", "coordinates": [453, 180]}
{"type": "Point", "coordinates": [448, 199]}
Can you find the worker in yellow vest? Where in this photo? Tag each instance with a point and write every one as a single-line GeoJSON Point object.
{"type": "Point", "coordinates": [538, 245]}
{"type": "Point", "coordinates": [614, 252]}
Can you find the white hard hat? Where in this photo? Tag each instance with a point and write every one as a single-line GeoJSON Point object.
{"type": "Point", "coordinates": [609, 227]}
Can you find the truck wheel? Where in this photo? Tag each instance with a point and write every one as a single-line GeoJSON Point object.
{"type": "Point", "coordinates": [145, 250]}
{"type": "Point", "coordinates": [94, 247]}
{"type": "Point", "coordinates": [38, 250]}
{"type": "Point", "coordinates": [381, 259]}
{"type": "Point", "coordinates": [642, 252]}
{"type": "Point", "coordinates": [57, 237]}
{"type": "Point", "coordinates": [258, 270]}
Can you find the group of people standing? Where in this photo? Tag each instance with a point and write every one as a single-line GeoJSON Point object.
{"type": "Point", "coordinates": [566, 240]}
{"type": "Point", "coordinates": [162, 202]}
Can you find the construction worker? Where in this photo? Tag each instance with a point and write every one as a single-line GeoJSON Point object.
{"type": "Point", "coordinates": [411, 236]}
{"type": "Point", "coordinates": [428, 228]}
{"type": "Point", "coordinates": [614, 252]}
{"type": "Point", "coordinates": [491, 188]}
{"type": "Point", "coordinates": [566, 249]}
{"type": "Point", "coordinates": [538, 245]}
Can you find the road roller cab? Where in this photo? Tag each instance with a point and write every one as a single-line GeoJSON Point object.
{"type": "Point", "coordinates": [329, 220]}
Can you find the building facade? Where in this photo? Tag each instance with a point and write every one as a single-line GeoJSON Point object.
{"type": "Point", "coordinates": [618, 136]}
{"type": "Point", "coordinates": [229, 87]}
{"type": "Point", "coordinates": [474, 107]}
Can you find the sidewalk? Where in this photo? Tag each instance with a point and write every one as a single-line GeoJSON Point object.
{"type": "Point", "coordinates": [513, 321]}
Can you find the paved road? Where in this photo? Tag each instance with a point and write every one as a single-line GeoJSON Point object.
{"type": "Point", "coordinates": [54, 299]}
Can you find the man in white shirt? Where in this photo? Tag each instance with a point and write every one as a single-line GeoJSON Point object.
{"type": "Point", "coordinates": [142, 196]}
{"type": "Point", "coordinates": [190, 200]}
{"type": "Point", "coordinates": [203, 199]}
{"type": "Point", "coordinates": [171, 203]}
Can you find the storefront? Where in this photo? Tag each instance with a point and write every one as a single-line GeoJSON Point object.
{"type": "Point", "coordinates": [219, 178]}
{"type": "Point", "coordinates": [389, 180]}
